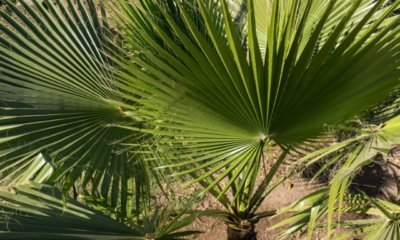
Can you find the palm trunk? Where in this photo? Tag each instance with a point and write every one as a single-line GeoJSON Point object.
{"type": "Point", "coordinates": [247, 233]}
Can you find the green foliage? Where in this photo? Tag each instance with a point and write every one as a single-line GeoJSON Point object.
{"type": "Point", "coordinates": [311, 211]}
{"type": "Point", "coordinates": [199, 88]}
{"type": "Point", "coordinates": [38, 212]}
{"type": "Point", "coordinates": [56, 70]}
{"type": "Point", "coordinates": [41, 212]}
{"type": "Point", "coordinates": [351, 155]}
{"type": "Point", "coordinates": [217, 99]}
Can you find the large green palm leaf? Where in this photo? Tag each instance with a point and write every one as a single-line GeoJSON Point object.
{"type": "Point", "coordinates": [56, 100]}
{"type": "Point", "coordinates": [215, 102]}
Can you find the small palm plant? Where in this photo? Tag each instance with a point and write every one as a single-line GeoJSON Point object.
{"type": "Point", "coordinates": [217, 85]}
{"type": "Point", "coordinates": [201, 88]}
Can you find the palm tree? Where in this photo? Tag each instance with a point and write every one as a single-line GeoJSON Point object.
{"type": "Point", "coordinates": [200, 87]}
{"type": "Point", "coordinates": [226, 85]}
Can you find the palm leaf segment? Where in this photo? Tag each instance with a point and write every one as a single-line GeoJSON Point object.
{"type": "Point", "coordinates": [384, 225]}
{"type": "Point", "coordinates": [383, 222]}
{"type": "Point", "coordinates": [351, 155]}
{"type": "Point", "coordinates": [56, 100]}
{"type": "Point", "coordinates": [213, 92]}
{"type": "Point", "coordinates": [37, 212]}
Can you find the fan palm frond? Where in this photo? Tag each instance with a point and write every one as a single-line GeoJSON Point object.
{"type": "Point", "coordinates": [56, 72]}
{"type": "Point", "coordinates": [216, 104]}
